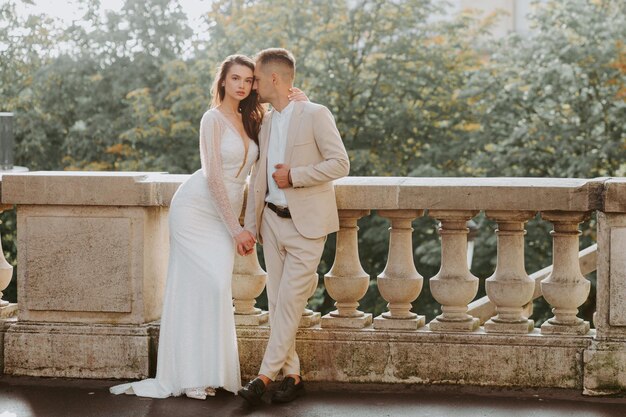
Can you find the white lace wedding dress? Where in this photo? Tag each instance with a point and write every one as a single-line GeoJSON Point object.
{"type": "Point", "coordinates": [197, 342]}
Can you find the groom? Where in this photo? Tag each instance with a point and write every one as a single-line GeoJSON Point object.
{"type": "Point", "coordinates": [291, 208]}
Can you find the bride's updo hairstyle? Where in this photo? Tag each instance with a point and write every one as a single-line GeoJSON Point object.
{"type": "Point", "coordinates": [250, 108]}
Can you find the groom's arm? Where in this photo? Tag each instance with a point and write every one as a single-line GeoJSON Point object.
{"type": "Point", "coordinates": [335, 162]}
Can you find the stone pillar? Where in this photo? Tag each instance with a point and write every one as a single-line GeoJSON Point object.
{"type": "Point", "coordinates": [510, 288]}
{"type": "Point", "coordinates": [400, 283]}
{"type": "Point", "coordinates": [248, 282]}
{"type": "Point", "coordinates": [454, 286]}
{"type": "Point", "coordinates": [566, 288]}
{"type": "Point", "coordinates": [347, 282]}
{"type": "Point", "coordinates": [605, 359]}
{"type": "Point", "coordinates": [6, 273]}
{"type": "Point", "coordinates": [93, 250]}
{"type": "Point", "coordinates": [8, 310]}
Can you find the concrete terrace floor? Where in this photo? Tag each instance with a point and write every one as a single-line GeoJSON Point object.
{"type": "Point", "coordinates": [56, 397]}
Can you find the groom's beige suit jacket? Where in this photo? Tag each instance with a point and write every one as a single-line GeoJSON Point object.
{"type": "Point", "coordinates": [316, 156]}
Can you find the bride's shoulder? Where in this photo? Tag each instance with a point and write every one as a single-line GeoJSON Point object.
{"type": "Point", "coordinates": [211, 116]}
{"type": "Point", "coordinates": [212, 113]}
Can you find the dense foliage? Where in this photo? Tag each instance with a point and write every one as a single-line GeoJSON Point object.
{"type": "Point", "coordinates": [413, 95]}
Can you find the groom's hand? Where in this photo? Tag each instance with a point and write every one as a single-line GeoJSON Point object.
{"type": "Point", "coordinates": [245, 243]}
{"type": "Point", "coordinates": [281, 175]}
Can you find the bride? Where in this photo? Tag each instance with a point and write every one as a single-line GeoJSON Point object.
{"type": "Point", "coordinates": [197, 342]}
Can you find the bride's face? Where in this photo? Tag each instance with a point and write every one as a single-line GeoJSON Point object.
{"type": "Point", "coordinates": [238, 82]}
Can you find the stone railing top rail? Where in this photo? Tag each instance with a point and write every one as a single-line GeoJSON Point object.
{"type": "Point", "coordinates": [90, 188]}
{"type": "Point", "coordinates": [455, 193]}
{"type": "Point", "coordinates": [384, 193]}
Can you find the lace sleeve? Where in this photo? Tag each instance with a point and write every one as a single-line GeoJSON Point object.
{"type": "Point", "coordinates": [211, 160]}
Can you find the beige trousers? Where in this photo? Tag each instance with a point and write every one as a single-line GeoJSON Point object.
{"type": "Point", "coordinates": [291, 261]}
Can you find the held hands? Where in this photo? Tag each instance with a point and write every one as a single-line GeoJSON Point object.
{"type": "Point", "coordinates": [245, 243]}
{"type": "Point", "coordinates": [295, 94]}
{"type": "Point", "coordinates": [282, 175]}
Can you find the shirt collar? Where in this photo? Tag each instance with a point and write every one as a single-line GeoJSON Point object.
{"type": "Point", "coordinates": [286, 111]}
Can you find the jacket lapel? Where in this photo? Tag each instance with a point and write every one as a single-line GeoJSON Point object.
{"type": "Point", "coordinates": [294, 125]}
{"type": "Point", "coordinates": [264, 139]}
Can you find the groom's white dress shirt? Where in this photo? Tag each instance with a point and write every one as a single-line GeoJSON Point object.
{"type": "Point", "coordinates": [276, 153]}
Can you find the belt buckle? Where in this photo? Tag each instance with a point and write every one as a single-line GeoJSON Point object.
{"type": "Point", "coordinates": [282, 211]}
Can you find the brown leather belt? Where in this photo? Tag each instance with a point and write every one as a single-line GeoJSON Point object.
{"type": "Point", "coordinates": [280, 212]}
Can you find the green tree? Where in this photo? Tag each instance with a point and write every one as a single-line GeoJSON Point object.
{"type": "Point", "coordinates": [554, 104]}
{"type": "Point", "coordinates": [391, 78]}
{"type": "Point", "coordinates": [388, 74]}
{"type": "Point", "coordinates": [412, 96]}
{"type": "Point", "coordinates": [75, 107]}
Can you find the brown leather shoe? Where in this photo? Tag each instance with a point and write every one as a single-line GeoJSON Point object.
{"type": "Point", "coordinates": [288, 390]}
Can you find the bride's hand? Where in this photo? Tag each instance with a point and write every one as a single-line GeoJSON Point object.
{"type": "Point", "coordinates": [297, 95]}
{"type": "Point", "coordinates": [245, 243]}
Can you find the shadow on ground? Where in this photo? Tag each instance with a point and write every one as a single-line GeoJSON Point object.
{"type": "Point", "coordinates": [56, 397]}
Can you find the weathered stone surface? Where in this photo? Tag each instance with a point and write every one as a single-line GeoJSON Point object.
{"type": "Point", "coordinates": [368, 192]}
{"type": "Point", "coordinates": [148, 189]}
{"type": "Point", "coordinates": [566, 288]}
{"type": "Point", "coordinates": [423, 357]}
{"type": "Point", "coordinates": [90, 188]}
{"type": "Point", "coordinates": [91, 264]}
{"type": "Point", "coordinates": [383, 323]}
{"type": "Point", "coordinates": [576, 329]}
{"type": "Point", "coordinates": [4, 325]}
{"type": "Point", "coordinates": [56, 250]}
{"type": "Point", "coordinates": [79, 351]}
{"type": "Point", "coordinates": [8, 311]}
{"type": "Point", "coordinates": [492, 326]}
{"type": "Point", "coordinates": [248, 282]}
{"type": "Point", "coordinates": [617, 293]}
{"type": "Point", "coordinates": [614, 195]}
{"type": "Point", "coordinates": [605, 368]}
{"type": "Point", "coordinates": [610, 312]}
{"type": "Point", "coordinates": [468, 325]}
{"type": "Point", "coordinates": [469, 193]}
{"type": "Point", "coordinates": [97, 201]}
{"type": "Point", "coordinates": [347, 282]}
{"type": "Point", "coordinates": [310, 318]}
{"type": "Point", "coordinates": [252, 319]}
{"type": "Point", "coordinates": [484, 309]}
{"type": "Point", "coordinates": [331, 321]}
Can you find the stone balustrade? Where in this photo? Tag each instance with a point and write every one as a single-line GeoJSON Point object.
{"type": "Point", "coordinates": [92, 254]}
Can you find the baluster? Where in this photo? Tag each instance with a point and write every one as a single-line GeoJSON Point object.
{"type": "Point", "coordinates": [510, 288]}
{"type": "Point", "coordinates": [566, 288]}
{"type": "Point", "coordinates": [454, 286]}
{"type": "Point", "coordinates": [400, 283]}
{"type": "Point", "coordinates": [248, 283]}
{"type": "Point", "coordinates": [347, 282]}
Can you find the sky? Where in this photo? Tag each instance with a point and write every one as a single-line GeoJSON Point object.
{"type": "Point", "coordinates": [67, 10]}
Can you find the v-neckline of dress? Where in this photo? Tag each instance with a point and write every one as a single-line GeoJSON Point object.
{"type": "Point", "coordinates": [233, 128]}
{"type": "Point", "coordinates": [244, 142]}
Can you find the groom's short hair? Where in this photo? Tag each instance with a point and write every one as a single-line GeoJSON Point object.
{"type": "Point", "coordinates": [280, 57]}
